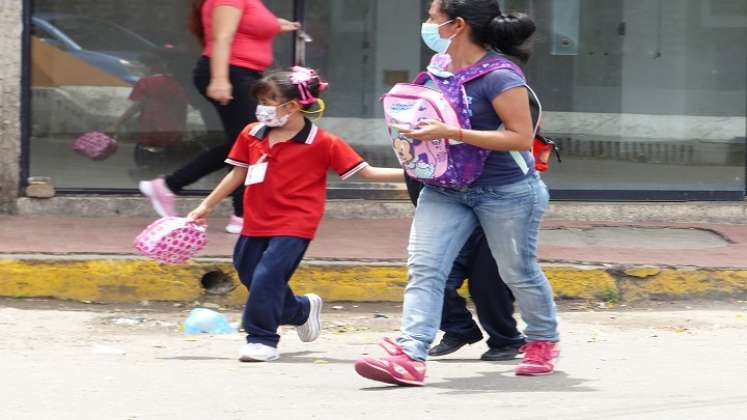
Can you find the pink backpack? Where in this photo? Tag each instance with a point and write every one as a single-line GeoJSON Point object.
{"type": "Point", "coordinates": [441, 162]}
{"type": "Point", "coordinates": [95, 145]}
{"type": "Point", "coordinates": [406, 105]}
{"type": "Point", "coordinates": [171, 240]}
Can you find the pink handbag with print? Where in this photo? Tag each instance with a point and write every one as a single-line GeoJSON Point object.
{"type": "Point", "coordinates": [95, 145]}
{"type": "Point", "coordinates": [171, 240]}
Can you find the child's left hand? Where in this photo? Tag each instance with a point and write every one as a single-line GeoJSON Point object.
{"type": "Point", "coordinates": [430, 130]}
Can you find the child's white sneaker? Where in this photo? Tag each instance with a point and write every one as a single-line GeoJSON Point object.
{"type": "Point", "coordinates": [311, 329]}
{"type": "Point", "coordinates": [256, 352]}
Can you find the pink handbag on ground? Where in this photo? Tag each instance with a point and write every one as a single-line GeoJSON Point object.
{"type": "Point", "coordinates": [95, 145]}
{"type": "Point", "coordinates": [172, 240]}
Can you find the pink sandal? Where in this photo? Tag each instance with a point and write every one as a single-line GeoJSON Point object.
{"type": "Point", "coordinates": [397, 369]}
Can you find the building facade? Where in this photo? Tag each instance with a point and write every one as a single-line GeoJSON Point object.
{"type": "Point", "coordinates": [647, 99]}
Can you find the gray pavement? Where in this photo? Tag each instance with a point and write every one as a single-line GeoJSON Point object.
{"type": "Point", "coordinates": [63, 360]}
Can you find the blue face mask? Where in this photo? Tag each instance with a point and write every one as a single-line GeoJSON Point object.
{"type": "Point", "coordinates": [431, 37]}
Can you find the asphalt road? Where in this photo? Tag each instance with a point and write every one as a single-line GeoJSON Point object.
{"type": "Point", "coordinates": [63, 360]}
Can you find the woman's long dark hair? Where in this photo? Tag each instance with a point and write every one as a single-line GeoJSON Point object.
{"type": "Point", "coordinates": [507, 33]}
{"type": "Point", "coordinates": [195, 21]}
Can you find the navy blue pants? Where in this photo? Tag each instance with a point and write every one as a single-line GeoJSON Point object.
{"type": "Point", "coordinates": [265, 266]}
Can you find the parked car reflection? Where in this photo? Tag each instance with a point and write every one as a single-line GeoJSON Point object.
{"type": "Point", "coordinates": [105, 45]}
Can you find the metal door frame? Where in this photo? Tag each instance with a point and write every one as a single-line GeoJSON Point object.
{"type": "Point", "coordinates": [25, 100]}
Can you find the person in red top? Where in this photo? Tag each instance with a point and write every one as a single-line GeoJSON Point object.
{"type": "Point", "coordinates": [237, 37]}
{"type": "Point", "coordinates": [163, 110]}
{"type": "Point", "coordinates": [160, 104]}
{"type": "Point", "coordinates": [283, 160]}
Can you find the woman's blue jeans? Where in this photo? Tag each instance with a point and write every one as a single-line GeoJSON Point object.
{"type": "Point", "coordinates": [510, 215]}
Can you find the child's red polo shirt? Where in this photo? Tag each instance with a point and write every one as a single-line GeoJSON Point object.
{"type": "Point", "coordinates": [290, 200]}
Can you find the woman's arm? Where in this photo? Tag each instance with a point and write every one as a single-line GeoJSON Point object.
{"type": "Point", "coordinates": [225, 22]}
{"type": "Point", "coordinates": [228, 185]}
{"type": "Point", "coordinates": [373, 173]}
{"type": "Point", "coordinates": [512, 107]}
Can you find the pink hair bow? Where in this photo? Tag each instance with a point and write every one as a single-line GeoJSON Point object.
{"type": "Point", "coordinates": [301, 77]}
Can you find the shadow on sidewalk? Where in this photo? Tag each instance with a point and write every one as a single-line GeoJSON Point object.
{"type": "Point", "coordinates": [492, 382]}
{"type": "Point", "coordinates": [285, 358]}
{"type": "Point", "coordinates": [475, 361]}
{"type": "Point", "coordinates": [506, 381]}
{"type": "Point", "coordinates": [309, 357]}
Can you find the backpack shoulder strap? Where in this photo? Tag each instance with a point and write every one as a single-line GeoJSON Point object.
{"type": "Point", "coordinates": [486, 67]}
{"type": "Point", "coordinates": [502, 63]}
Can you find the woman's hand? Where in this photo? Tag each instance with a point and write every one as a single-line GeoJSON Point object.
{"type": "Point", "coordinates": [220, 90]}
{"type": "Point", "coordinates": [200, 214]}
{"type": "Point", "coordinates": [288, 26]}
{"type": "Point", "coordinates": [431, 130]}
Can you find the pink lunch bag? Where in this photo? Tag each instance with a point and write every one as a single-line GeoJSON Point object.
{"type": "Point", "coordinates": [171, 240]}
{"type": "Point", "coordinates": [95, 145]}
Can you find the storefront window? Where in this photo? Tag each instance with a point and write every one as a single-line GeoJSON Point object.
{"type": "Point", "coordinates": [647, 99]}
{"type": "Point", "coordinates": [86, 57]}
{"type": "Point", "coordinates": [643, 96]}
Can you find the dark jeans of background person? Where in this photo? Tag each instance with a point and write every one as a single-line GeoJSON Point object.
{"type": "Point", "coordinates": [234, 116]}
{"type": "Point", "coordinates": [493, 299]}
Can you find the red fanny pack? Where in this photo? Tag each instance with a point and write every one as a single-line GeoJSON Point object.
{"type": "Point", "coordinates": [543, 148]}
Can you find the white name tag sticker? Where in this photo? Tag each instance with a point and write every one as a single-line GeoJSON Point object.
{"type": "Point", "coordinates": [256, 174]}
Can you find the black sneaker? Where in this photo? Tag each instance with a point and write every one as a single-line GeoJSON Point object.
{"type": "Point", "coordinates": [447, 347]}
{"type": "Point", "coordinates": [500, 354]}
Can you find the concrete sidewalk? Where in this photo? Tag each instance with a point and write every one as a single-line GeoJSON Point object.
{"type": "Point", "coordinates": [362, 259]}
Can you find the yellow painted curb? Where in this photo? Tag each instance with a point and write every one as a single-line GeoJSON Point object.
{"type": "Point", "coordinates": [134, 280]}
{"type": "Point", "coordinates": [570, 282]}
{"type": "Point", "coordinates": [670, 283]}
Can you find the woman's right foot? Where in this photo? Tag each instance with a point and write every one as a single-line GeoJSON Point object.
{"type": "Point", "coordinates": [539, 358]}
{"type": "Point", "coordinates": [397, 369]}
{"type": "Point", "coordinates": [160, 196]}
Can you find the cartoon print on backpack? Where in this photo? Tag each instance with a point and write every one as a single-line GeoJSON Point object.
{"type": "Point", "coordinates": [403, 149]}
{"type": "Point", "coordinates": [418, 164]}
{"type": "Point", "coordinates": [422, 159]}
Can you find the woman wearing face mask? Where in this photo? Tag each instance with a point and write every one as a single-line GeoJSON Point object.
{"type": "Point", "coordinates": [508, 199]}
{"type": "Point", "coordinates": [237, 36]}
